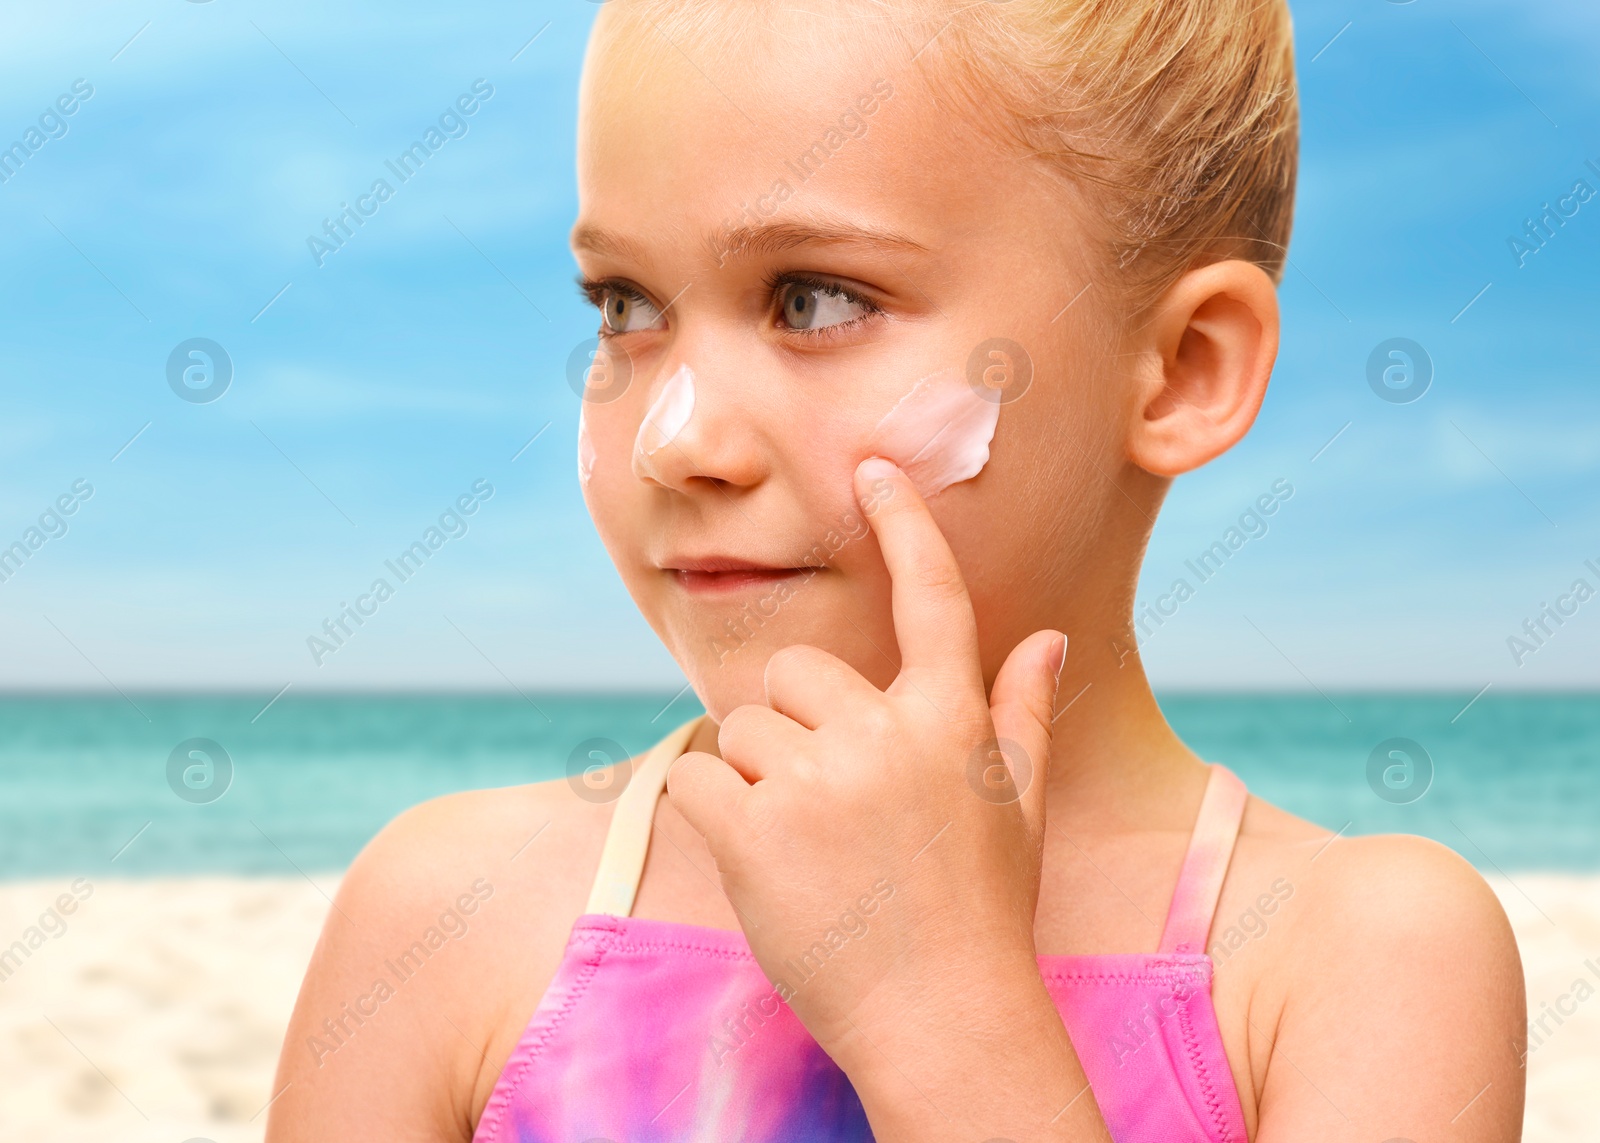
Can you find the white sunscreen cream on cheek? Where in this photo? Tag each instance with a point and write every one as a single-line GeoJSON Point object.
{"type": "Point", "coordinates": [939, 432]}
{"type": "Point", "coordinates": [585, 450]}
{"type": "Point", "coordinates": [667, 416]}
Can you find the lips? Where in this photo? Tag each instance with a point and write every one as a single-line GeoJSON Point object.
{"type": "Point", "coordinates": [722, 574]}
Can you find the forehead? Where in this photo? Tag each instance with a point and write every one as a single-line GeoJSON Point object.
{"type": "Point", "coordinates": [687, 140]}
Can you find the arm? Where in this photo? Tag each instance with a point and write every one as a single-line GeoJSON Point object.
{"type": "Point", "coordinates": [385, 1036]}
{"type": "Point", "coordinates": [1396, 1004]}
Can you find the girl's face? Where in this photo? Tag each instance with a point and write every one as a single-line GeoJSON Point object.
{"type": "Point", "coordinates": [784, 238]}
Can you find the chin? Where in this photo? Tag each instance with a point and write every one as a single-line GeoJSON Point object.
{"type": "Point", "coordinates": [730, 672]}
{"type": "Point", "coordinates": [723, 652]}
{"type": "Point", "coordinates": [735, 682]}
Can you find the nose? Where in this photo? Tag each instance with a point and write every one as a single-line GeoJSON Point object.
{"type": "Point", "coordinates": [697, 432]}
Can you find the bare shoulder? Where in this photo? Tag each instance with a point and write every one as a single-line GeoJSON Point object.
{"type": "Point", "coordinates": [1384, 967]}
{"type": "Point", "coordinates": [1397, 887]}
{"type": "Point", "coordinates": [454, 893]}
{"type": "Point", "coordinates": [521, 836]}
{"type": "Point", "coordinates": [1372, 891]}
{"type": "Point", "coordinates": [1387, 880]}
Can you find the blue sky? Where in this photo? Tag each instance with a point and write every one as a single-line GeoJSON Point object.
{"type": "Point", "coordinates": [370, 392]}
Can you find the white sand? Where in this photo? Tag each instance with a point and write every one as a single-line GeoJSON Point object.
{"type": "Point", "coordinates": [156, 1016]}
{"type": "Point", "coordinates": [1557, 922]}
{"type": "Point", "coordinates": [169, 999]}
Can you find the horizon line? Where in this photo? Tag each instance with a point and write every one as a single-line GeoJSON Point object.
{"type": "Point", "coordinates": [444, 690]}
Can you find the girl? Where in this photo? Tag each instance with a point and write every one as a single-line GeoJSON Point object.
{"type": "Point", "coordinates": [910, 313]}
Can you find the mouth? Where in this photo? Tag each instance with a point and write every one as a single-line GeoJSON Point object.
{"type": "Point", "coordinates": [721, 575]}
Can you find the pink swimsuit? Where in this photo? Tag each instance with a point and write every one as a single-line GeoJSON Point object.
{"type": "Point", "coordinates": [655, 1031]}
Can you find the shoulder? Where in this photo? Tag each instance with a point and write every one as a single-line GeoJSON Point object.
{"type": "Point", "coordinates": [463, 889]}
{"type": "Point", "coordinates": [1390, 976]}
{"type": "Point", "coordinates": [515, 834]}
{"type": "Point", "coordinates": [1390, 897]}
{"type": "Point", "coordinates": [1358, 899]}
{"type": "Point", "coordinates": [526, 852]}
{"type": "Point", "coordinates": [1362, 878]}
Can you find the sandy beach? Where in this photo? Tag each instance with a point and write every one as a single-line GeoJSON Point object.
{"type": "Point", "coordinates": [155, 1010]}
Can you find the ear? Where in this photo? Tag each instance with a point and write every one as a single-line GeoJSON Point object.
{"type": "Point", "coordinates": [1210, 340]}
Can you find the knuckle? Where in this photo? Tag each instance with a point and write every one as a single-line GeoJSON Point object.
{"type": "Point", "coordinates": [879, 723]}
{"type": "Point", "coordinates": [763, 818]}
{"type": "Point", "coordinates": [938, 576]}
{"type": "Point", "coordinates": [969, 724]}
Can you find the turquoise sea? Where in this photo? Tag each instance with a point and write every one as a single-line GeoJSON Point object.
{"type": "Point", "coordinates": [1515, 780]}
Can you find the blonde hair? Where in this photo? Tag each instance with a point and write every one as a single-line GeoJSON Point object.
{"type": "Point", "coordinates": [1177, 119]}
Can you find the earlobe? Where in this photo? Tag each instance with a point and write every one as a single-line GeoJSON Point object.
{"type": "Point", "coordinates": [1211, 339]}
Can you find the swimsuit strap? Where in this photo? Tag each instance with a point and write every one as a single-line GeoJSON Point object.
{"type": "Point", "coordinates": [1216, 828]}
{"type": "Point", "coordinates": [628, 836]}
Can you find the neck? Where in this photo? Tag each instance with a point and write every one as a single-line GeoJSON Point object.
{"type": "Point", "coordinates": [1113, 750]}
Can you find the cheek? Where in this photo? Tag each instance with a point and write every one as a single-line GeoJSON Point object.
{"type": "Point", "coordinates": [585, 450]}
{"type": "Point", "coordinates": [939, 432]}
{"type": "Point", "coordinates": [606, 432]}
{"type": "Point", "coordinates": [937, 427]}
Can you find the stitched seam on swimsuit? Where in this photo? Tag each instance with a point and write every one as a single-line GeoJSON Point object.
{"type": "Point", "coordinates": [513, 1081]}
{"type": "Point", "coordinates": [1161, 972]}
{"type": "Point", "coordinates": [1176, 973]}
{"type": "Point", "coordinates": [628, 946]}
{"type": "Point", "coordinates": [1197, 1063]}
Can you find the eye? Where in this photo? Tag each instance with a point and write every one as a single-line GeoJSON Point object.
{"type": "Point", "coordinates": [623, 308]}
{"type": "Point", "coordinates": [814, 305]}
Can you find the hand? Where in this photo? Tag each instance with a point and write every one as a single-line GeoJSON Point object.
{"type": "Point", "coordinates": [883, 848]}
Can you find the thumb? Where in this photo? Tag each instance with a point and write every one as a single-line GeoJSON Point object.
{"type": "Point", "coordinates": [1021, 706]}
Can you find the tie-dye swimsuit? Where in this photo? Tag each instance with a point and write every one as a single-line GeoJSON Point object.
{"type": "Point", "coordinates": [660, 1032]}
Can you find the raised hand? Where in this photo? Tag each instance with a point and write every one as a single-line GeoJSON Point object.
{"type": "Point", "coordinates": [883, 848]}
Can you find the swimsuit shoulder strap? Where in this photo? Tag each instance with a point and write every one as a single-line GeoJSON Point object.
{"type": "Point", "coordinates": [1216, 828]}
{"type": "Point", "coordinates": [628, 836]}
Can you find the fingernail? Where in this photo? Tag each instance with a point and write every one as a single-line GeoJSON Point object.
{"type": "Point", "coordinates": [877, 468]}
{"type": "Point", "coordinates": [1058, 655]}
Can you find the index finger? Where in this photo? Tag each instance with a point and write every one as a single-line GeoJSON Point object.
{"type": "Point", "coordinates": [933, 620]}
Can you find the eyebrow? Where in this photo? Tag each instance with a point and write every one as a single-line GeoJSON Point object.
{"type": "Point", "coordinates": [749, 241]}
